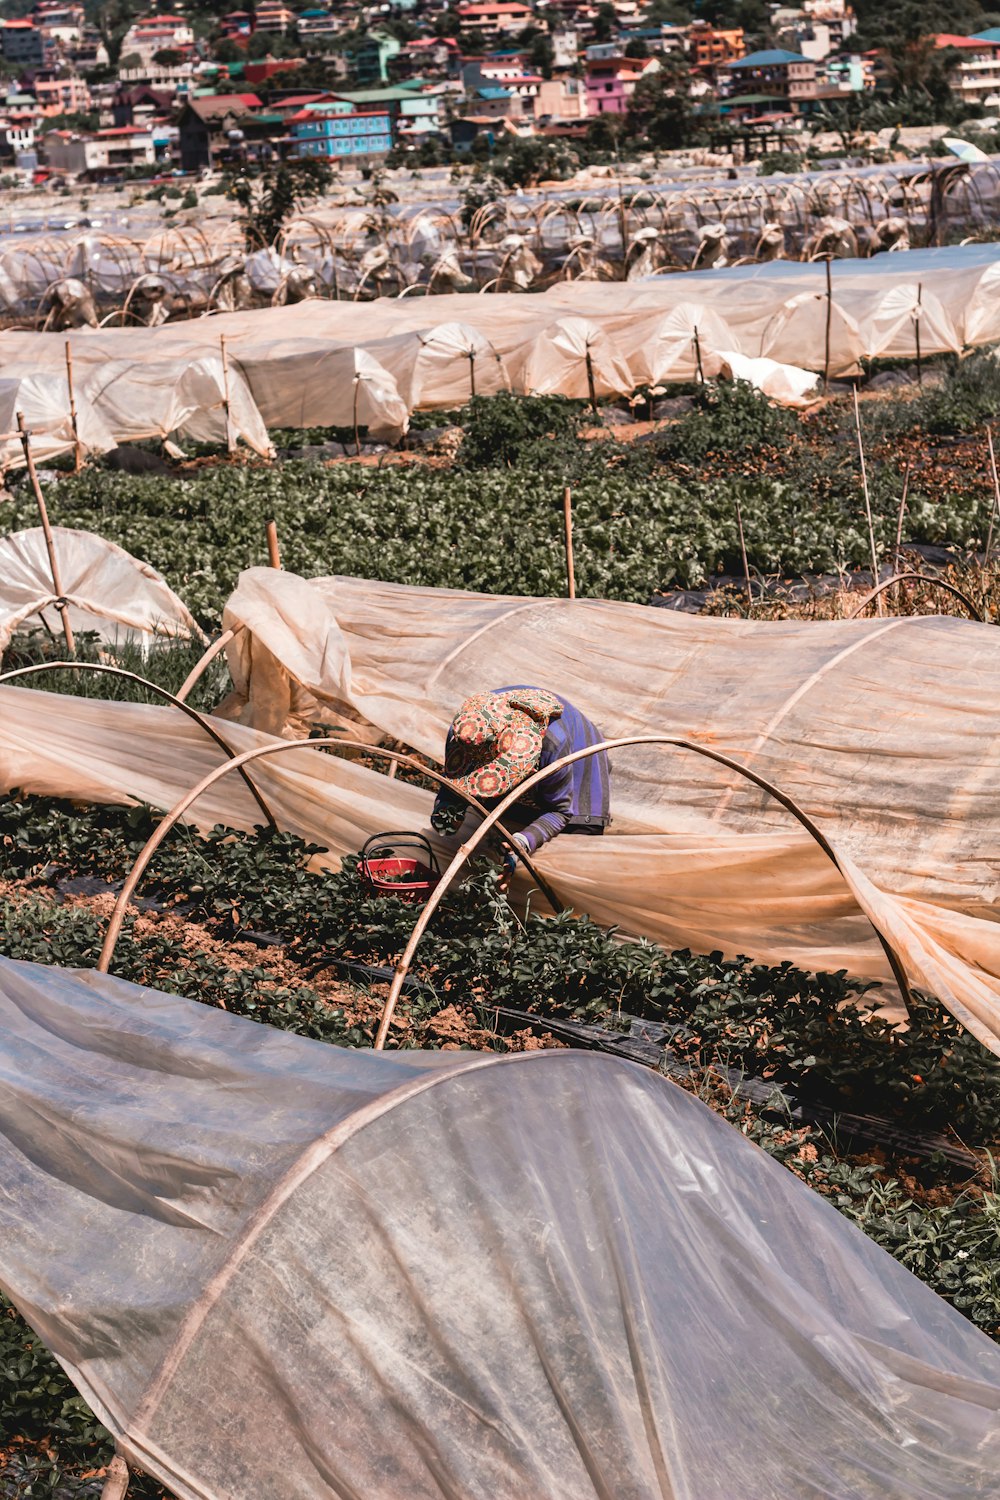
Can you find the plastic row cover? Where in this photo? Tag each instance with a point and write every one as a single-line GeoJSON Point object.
{"type": "Point", "coordinates": [883, 730]}
{"type": "Point", "coordinates": [107, 590]}
{"type": "Point", "coordinates": [300, 363]}
{"type": "Point", "coordinates": [545, 1276]}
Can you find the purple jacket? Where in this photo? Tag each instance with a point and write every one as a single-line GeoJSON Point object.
{"type": "Point", "coordinates": [576, 795]}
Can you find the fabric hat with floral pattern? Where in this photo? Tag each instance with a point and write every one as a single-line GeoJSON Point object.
{"type": "Point", "coordinates": [496, 740]}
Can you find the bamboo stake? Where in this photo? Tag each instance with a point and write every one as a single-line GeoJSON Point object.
{"type": "Point", "coordinates": [829, 321]}
{"type": "Point", "coordinates": [590, 383]}
{"type": "Point", "coordinates": [568, 524]}
{"type": "Point", "coordinates": [743, 553]}
{"type": "Point", "coordinates": [50, 545]}
{"type": "Point", "coordinates": [116, 1484]}
{"type": "Point", "coordinates": [230, 442]}
{"type": "Point", "coordinates": [472, 372]}
{"type": "Point", "coordinates": [77, 445]}
{"type": "Point", "coordinates": [916, 332]}
{"type": "Point", "coordinates": [996, 496]}
{"type": "Point", "coordinates": [868, 502]}
{"type": "Point", "coordinates": [357, 435]}
{"type": "Point", "coordinates": [273, 552]}
{"type": "Point", "coordinates": [697, 355]}
{"type": "Point", "coordinates": [902, 510]}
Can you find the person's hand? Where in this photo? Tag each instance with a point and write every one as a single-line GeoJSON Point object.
{"type": "Point", "coordinates": [510, 858]}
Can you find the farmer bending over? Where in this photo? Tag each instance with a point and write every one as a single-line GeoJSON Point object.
{"type": "Point", "coordinates": [499, 739]}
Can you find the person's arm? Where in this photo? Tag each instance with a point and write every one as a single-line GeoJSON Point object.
{"type": "Point", "coordinates": [448, 813]}
{"type": "Point", "coordinates": [556, 795]}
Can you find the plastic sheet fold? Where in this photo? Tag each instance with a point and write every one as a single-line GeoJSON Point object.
{"type": "Point", "coordinates": [450, 1275]}
{"type": "Point", "coordinates": [883, 731]}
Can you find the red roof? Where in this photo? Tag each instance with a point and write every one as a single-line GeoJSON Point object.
{"type": "Point", "coordinates": [947, 39]}
{"type": "Point", "coordinates": [511, 7]}
{"type": "Point", "coordinates": [123, 130]}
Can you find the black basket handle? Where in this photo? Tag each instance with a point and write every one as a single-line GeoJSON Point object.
{"type": "Point", "coordinates": [403, 840]}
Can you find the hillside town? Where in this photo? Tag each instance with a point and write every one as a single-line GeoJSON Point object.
{"type": "Point", "coordinates": [88, 98]}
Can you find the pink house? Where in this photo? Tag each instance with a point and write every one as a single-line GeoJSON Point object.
{"type": "Point", "coordinates": [610, 82]}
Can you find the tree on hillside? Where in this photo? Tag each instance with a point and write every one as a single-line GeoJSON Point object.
{"type": "Point", "coordinates": [267, 202]}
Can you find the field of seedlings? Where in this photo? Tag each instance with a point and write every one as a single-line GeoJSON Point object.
{"type": "Point", "coordinates": [898, 1127]}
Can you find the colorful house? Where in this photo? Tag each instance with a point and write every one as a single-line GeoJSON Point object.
{"type": "Point", "coordinates": [341, 131]}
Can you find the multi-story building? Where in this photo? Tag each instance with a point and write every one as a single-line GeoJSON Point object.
{"type": "Point", "coordinates": [710, 47]}
{"type": "Point", "coordinates": [370, 58]}
{"type": "Point", "coordinates": [974, 74]}
{"type": "Point", "coordinates": [339, 131]}
{"type": "Point", "coordinates": [771, 81]}
{"type": "Point", "coordinates": [273, 18]}
{"type": "Point", "coordinates": [562, 98]}
{"type": "Point", "coordinates": [215, 125]}
{"type": "Point", "coordinates": [313, 23]}
{"type": "Point", "coordinates": [24, 44]}
{"type": "Point", "coordinates": [152, 34]}
{"type": "Point", "coordinates": [100, 154]}
{"type": "Point", "coordinates": [610, 82]}
{"type": "Point", "coordinates": [61, 94]}
{"type": "Point", "coordinates": [503, 18]}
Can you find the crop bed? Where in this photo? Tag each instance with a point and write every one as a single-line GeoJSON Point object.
{"type": "Point", "coordinates": [241, 921]}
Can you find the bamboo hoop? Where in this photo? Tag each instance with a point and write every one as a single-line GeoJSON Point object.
{"type": "Point", "coordinates": [192, 713]}
{"type": "Point", "coordinates": [205, 660]}
{"type": "Point", "coordinates": [238, 763]}
{"type": "Point", "coordinates": [938, 583]}
{"type": "Point", "coordinates": [403, 966]}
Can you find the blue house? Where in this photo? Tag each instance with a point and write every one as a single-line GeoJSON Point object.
{"type": "Point", "coordinates": [339, 130]}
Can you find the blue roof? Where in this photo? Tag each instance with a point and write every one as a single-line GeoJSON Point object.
{"type": "Point", "coordinates": [991, 34]}
{"type": "Point", "coordinates": [493, 93]}
{"type": "Point", "coordinates": [770, 59]}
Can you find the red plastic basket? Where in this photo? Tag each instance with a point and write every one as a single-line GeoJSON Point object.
{"type": "Point", "coordinates": [388, 872]}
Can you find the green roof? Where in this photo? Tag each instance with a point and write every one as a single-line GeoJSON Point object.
{"type": "Point", "coordinates": [375, 96]}
{"type": "Point", "coordinates": [775, 99]}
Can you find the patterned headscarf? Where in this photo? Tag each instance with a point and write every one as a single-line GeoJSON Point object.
{"type": "Point", "coordinates": [496, 740]}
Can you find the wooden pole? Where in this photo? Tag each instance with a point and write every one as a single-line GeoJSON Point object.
{"type": "Point", "coordinates": [230, 440]}
{"type": "Point", "coordinates": [77, 446]}
{"type": "Point", "coordinates": [916, 332]}
{"type": "Point", "coordinates": [868, 502]}
{"type": "Point", "coordinates": [697, 356]}
{"type": "Point", "coordinates": [996, 497]}
{"type": "Point", "coordinates": [902, 511]}
{"type": "Point", "coordinates": [743, 554]}
{"type": "Point", "coordinates": [829, 321]}
{"type": "Point", "coordinates": [116, 1484]}
{"type": "Point", "coordinates": [568, 524]}
{"type": "Point", "coordinates": [50, 545]}
{"type": "Point", "coordinates": [472, 372]}
{"type": "Point", "coordinates": [590, 383]}
{"type": "Point", "coordinates": [273, 552]}
{"type": "Point", "coordinates": [357, 435]}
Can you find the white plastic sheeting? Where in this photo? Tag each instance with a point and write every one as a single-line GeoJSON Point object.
{"type": "Point", "coordinates": [107, 590]}
{"type": "Point", "coordinates": [442, 366]}
{"type": "Point", "coordinates": [290, 355]}
{"type": "Point", "coordinates": [196, 399]}
{"type": "Point", "coordinates": [572, 357]}
{"type": "Point", "coordinates": [862, 722]}
{"type": "Point", "coordinates": [786, 384]}
{"type": "Point", "coordinates": [331, 387]}
{"type": "Point", "coordinates": [44, 401]}
{"type": "Point", "coordinates": [684, 343]}
{"type": "Point", "coordinates": [884, 731]}
{"type": "Point", "coordinates": [277, 1268]}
